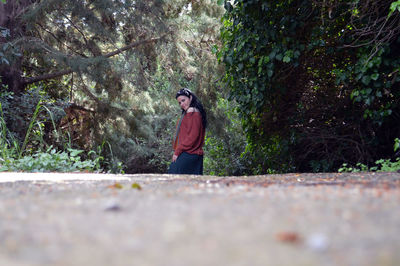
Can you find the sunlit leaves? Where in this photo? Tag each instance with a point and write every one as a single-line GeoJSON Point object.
{"type": "Point", "coordinates": [395, 6]}
{"type": "Point", "coordinates": [396, 144]}
{"type": "Point", "coordinates": [51, 161]}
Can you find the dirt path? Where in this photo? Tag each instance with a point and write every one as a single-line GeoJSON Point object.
{"type": "Point", "coordinates": [293, 219]}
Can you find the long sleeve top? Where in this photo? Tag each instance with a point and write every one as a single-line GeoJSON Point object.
{"type": "Point", "coordinates": [191, 135]}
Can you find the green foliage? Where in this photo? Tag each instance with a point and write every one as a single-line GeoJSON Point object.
{"type": "Point", "coordinates": [229, 153]}
{"type": "Point", "coordinates": [124, 62]}
{"type": "Point", "coordinates": [9, 146]}
{"type": "Point", "coordinates": [21, 156]}
{"type": "Point", "coordinates": [381, 165]}
{"type": "Point", "coordinates": [223, 151]}
{"type": "Point", "coordinates": [27, 116]}
{"type": "Point", "coordinates": [321, 79]}
{"type": "Point", "coordinates": [372, 84]}
{"type": "Point", "coordinates": [33, 120]}
{"type": "Point", "coordinates": [396, 144]}
{"type": "Point", "coordinates": [386, 165]}
{"type": "Point", "coordinates": [395, 6]}
{"type": "Point", "coordinates": [348, 169]}
{"type": "Point", "coordinates": [51, 161]}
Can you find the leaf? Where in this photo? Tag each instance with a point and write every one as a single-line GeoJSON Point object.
{"type": "Point", "coordinates": [366, 80]}
{"type": "Point", "coordinates": [272, 55]}
{"type": "Point", "coordinates": [288, 237]}
{"type": "Point", "coordinates": [74, 152]}
{"type": "Point", "coordinates": [117, 186]}
{"type": "Point", "coordinates": [393, 7]}
{"type": "Point", "coordinates": [136, 186]}
{"type": "Point", "coordinates": [375, 76]}
{"type": "Point", "coordinates": [354, 94]}
{"type": "Point", "coordinates": [260, 62]}
{"type": "Point", "coordinates": [286, 59]}
{"type": "Point", "coordinates": [214, 49]}
{"type": "Point", "coordinates": [396, 146]}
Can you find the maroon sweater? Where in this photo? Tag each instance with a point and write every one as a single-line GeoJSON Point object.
{"type": "Point", "coordinates": [191, 135]}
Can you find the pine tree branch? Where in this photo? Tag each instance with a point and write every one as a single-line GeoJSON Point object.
{"type": "Point", "coordinates": [27, 81]}
{"type": "Point", "coordinates": [89, 93]}
{"type": "Point", "coordinates": [76, 27]}
{"type": "Point", "coordinates": [31, 80]}
{"type": "Point", "coordinates": [58, 40]}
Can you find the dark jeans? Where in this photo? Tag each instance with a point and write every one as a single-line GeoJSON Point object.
{"type": "Point", "coordinates": [189, 164]}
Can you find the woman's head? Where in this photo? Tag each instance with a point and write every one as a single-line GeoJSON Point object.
{"type": "Point", "coordinates": [187, 99]}
{"type": "Point", "coordinates": [184, 98]}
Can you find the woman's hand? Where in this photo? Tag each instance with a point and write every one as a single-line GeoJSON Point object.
{"type": "Point", "coordinates": [174, 157]}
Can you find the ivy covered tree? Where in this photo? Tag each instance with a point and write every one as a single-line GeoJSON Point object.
{"type": "Point", "coordinates": [316, 80]}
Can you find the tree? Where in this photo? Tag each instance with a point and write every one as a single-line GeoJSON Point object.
{"type": "Point", "coordinates": [47, 41]}
{"type": "Point", "coordinates": [316, 81]}
{"type": "Point", "coordinates": [72, 36]}
{"type": "Point", "coordinates": [113, 64]}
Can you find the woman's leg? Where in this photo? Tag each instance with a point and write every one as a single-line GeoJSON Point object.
{"type": "Point", "coordinates": [189, 164]}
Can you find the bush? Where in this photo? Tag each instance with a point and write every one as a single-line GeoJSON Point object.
{"type": "Point", "coordinates": [26, 155]}
{"type": "Point", "coordinates": [382, 165]}
{"type": "Point", "coordinates": [51, 161]}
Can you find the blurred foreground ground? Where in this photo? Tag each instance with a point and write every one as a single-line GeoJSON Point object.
{"type": "Point", "coordinates": [293, 219]}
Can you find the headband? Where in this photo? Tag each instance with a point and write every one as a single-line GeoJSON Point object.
{"type": "Point", "coordinates": [184, 92]}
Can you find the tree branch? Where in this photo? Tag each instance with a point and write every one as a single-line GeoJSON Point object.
{"type": "Point", "coordinates": [31, 80]}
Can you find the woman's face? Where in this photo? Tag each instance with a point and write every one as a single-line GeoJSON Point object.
{"type": "Point", "coordinates": [184, 102]}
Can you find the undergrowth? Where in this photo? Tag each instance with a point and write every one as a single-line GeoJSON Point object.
{"type": "Point", "coordinates": [382, 165]}
{"type": "Point", "coordinates": [16, 156]}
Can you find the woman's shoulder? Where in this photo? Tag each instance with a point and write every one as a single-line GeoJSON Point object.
{"type": "Point", "coordinates": [193, 113]}
{"type": "Point", "coordinates": [192, 110]}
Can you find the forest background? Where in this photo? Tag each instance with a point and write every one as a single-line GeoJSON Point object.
{"type": "Point", "coordinates": [289, 86]}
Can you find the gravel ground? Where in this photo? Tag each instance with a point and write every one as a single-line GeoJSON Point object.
{"type": "Point", "coordinates": [293, 219]}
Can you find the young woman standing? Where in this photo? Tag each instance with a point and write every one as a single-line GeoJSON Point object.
{"type": "Point", "coordinates": [189, 138]}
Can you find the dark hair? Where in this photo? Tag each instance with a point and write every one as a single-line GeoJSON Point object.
{"type": "Point", "coordinates": [196, 103]}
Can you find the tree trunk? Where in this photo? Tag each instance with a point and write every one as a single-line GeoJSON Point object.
{"type": "Point", "coordinates": [10, 13]}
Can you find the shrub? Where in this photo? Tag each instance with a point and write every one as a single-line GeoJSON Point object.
{"type": "Point", "coordinates": [382, 165]}
{"type": "Point", "coordinates": [51, 161]}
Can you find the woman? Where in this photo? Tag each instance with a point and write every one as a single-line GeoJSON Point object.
{"type": "Point", "coordinates": [189, 138]}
